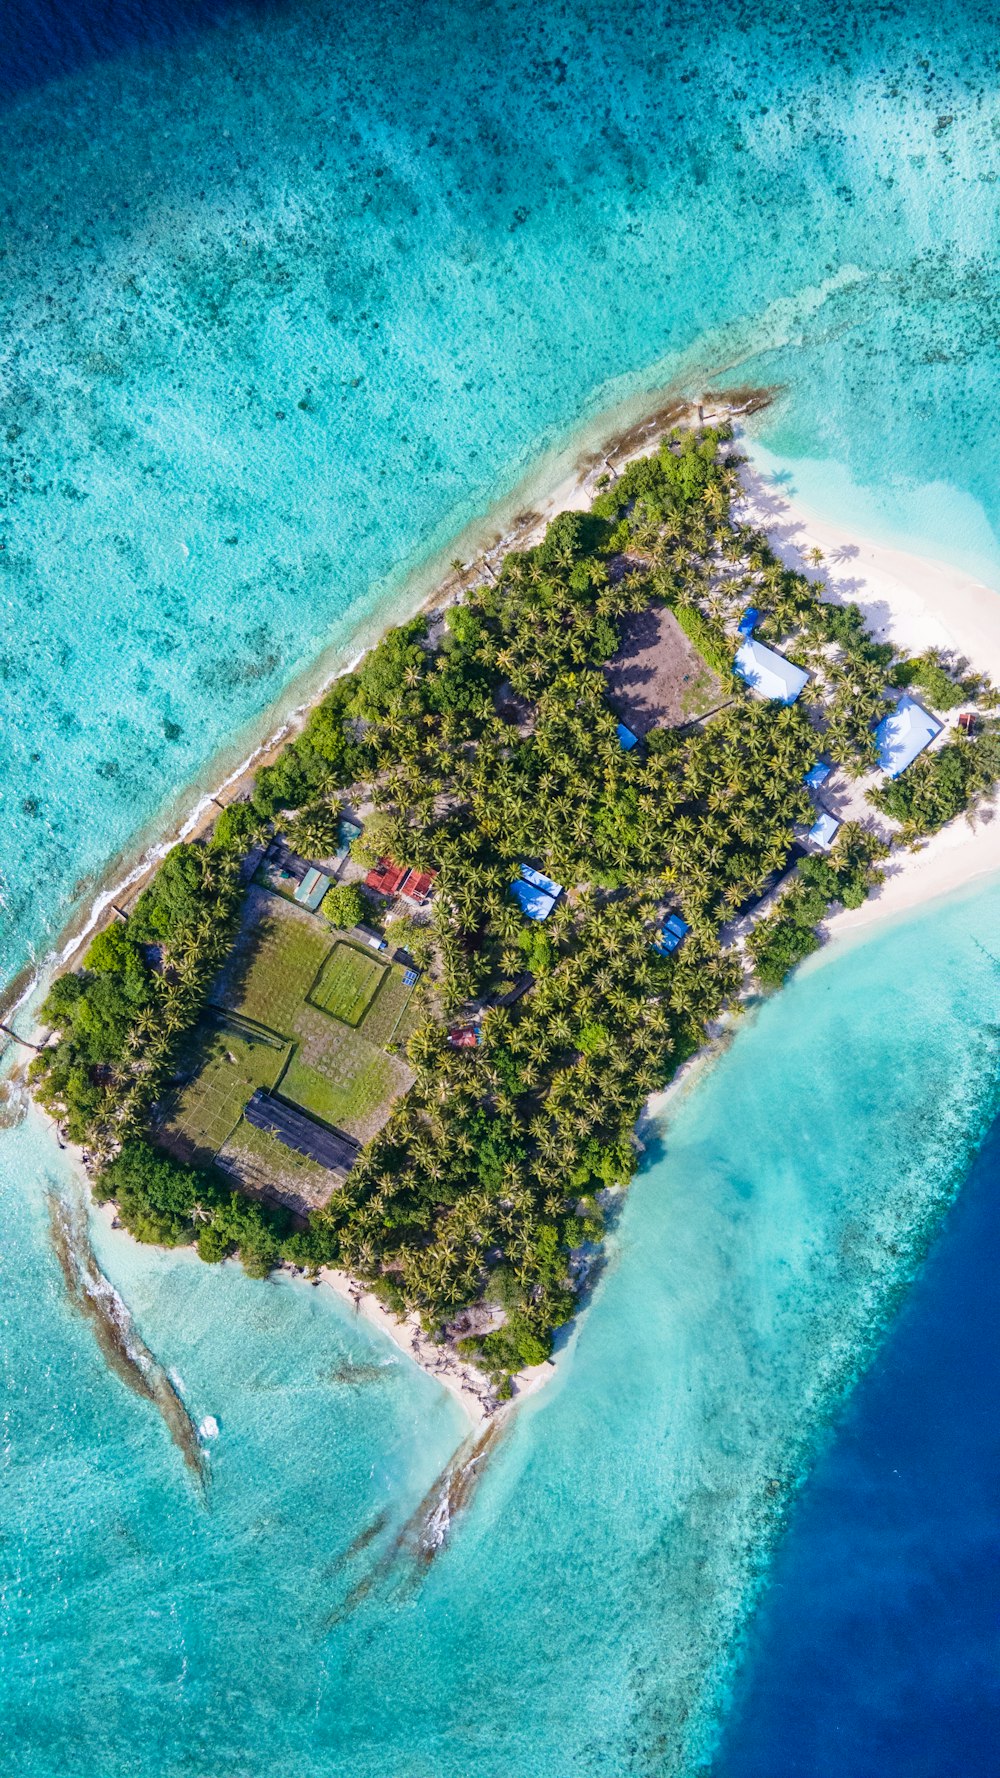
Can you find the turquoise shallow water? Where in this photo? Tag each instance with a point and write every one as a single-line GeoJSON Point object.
{"type": "Point", "coordinates": [582, 1618]}
{"type": "Point", "coordinates": [287, 304]}
{"type": "Point", "coordinates": [284, 306]}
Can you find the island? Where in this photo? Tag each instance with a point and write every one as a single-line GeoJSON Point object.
{"type": "Point", "coordinates": [395, 1017]}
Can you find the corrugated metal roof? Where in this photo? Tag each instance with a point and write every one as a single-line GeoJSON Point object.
{"type": "Point", "coordinates": [533, 901]}
{"type": "Point", "coordinates": [298, 1131]}
{"type": "Point", "coordinates": [312, 888]}
{"type": "Point", "coordinates": [824, 831]}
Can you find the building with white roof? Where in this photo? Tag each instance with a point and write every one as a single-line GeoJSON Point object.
{"type": "Point", "coordinates": [768, 673]}
{"type": "Point", "coordinates": [903, 733]}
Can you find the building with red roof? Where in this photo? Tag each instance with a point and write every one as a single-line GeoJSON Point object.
{"type": "Point", "coordinates": [391, 879]}
{"type": "Point", "coordinates": [417, 885]}
{"type": "Point", "coordinates": [386, 878]}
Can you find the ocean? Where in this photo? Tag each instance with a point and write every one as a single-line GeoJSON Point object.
{"type": "Point", "coordinates": [876, 1648]}
{"type": "Point", "coordinates": [292, 298]}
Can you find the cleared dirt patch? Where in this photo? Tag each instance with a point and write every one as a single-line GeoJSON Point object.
{"type": "Point", "coordinates": [658, 679]}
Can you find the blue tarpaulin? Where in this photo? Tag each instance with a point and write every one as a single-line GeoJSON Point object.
{"type": "Point", "coordinates": [751, 617]}
{"type": "Point", "coordinates": [536, 894]}
{"type": "Point", "coordinates": [626, 739]}
{"type": "Point", "coordinates": [817, 775]}
{"type": "Point", "coordinates": [535, 877]}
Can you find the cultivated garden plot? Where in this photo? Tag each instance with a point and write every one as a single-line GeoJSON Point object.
{"type": "Point", "coordinates": [348, 983]}
{"type": "Point", "coordinates": [261, 1164]}
{"type": "Point", "coordinates": [276, 960]}
{"type": "Point", "coordinates": [230, 1066]}
{"type": "Point", "coordinates": [306, 1015]}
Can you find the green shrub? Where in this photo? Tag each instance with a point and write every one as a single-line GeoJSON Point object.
{"type": "Point", "coordinates": [344, 906]}
{"type": "Point", "coordinates": [776, 945]}
{"type": "Point", "coordinates": [709, 639]}
{"type": "Point", "coordinates": [940, 687]}
{"type": "Point", "coordinates": [237, 828]}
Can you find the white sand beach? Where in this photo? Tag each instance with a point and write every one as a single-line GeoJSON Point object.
{"type": "Point", "coordinates": [917, 603]}
{"type": "Point", "coordinates": [469, 1386]}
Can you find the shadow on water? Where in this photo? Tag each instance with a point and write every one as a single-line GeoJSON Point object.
{"type": "Point", "coordinates": [357, 1376]}
{"type": "Point", "coordinates": [122, 1347]}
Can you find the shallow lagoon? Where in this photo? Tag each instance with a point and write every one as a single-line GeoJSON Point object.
{"type": "Point", "coordinates": [261, 357]}
{"type": "Point", "coordinates": [582, 1617]}
{"type": "Point", "coordinates": [285, 306]}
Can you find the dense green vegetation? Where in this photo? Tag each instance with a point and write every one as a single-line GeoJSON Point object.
{"type": "Point", "coordinates": [945, 689]}
{"type": "Point", "coordinates": [788, 935]}
{"type": "Point", "coordinates": [938, 786]}
{"type": "Point", "coordinates": [344, 906]}
{"type": "Point", "coordinates": [160, 1199]}
{"type": "Point", "coordinates": [497, 745]}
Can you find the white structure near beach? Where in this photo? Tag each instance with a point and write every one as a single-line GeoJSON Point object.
{"type": "Point", "coordinates": [768, 673]}
{"type": "Point", "coordinates": [824, 830]}
{"type": "Point", "coordinates": [904, 733]}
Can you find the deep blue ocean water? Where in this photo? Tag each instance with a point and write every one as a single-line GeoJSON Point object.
{"type": "Point", "coordinates": [877, 1647]}
{"type": "Point", "coordinates": [290, 295]}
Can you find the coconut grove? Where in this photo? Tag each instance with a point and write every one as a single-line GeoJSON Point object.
{"type": "Point", "coordinates": [399, 1012]}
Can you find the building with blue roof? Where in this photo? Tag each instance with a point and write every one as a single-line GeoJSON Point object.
{"type": "Point", "coordinates": [673, 930]}
{"type": "Point", "coordinates": [535, 894]}
{"type": "Point", "coordinates": [824, 830]}
{"type": "Point", "coordinates": [817, 774]}
{"type": "Point", "coordinates": [768, 673]}
{"type": "Point", "coordinates": [310, 892]}
{"type": "Point", "coordinates": [532, 901]}
{"type": "Point", "coordinates": [903, 733]}
{"type": "Point", "coordinates": [626, 739]}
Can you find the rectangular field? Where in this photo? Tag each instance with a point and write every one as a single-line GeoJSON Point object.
{"type": "Point", "coordinates": [274, 964]}
{"type": "Point", "coordinates": [230, 1068]}
{"type": "Point", "coordinates": [350, 1084]}
{"type": "Point", "coordinates": [348, 984]}
{"type": "Point", "coordinates": [263, 1166]}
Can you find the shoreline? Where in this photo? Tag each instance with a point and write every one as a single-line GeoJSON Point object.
{"type": "Point", "coordinates": [562, 480]}
{"type": "Point", "coordinates": [918, 601]}
{"type": "Point", "coordinates": [470, 1387]}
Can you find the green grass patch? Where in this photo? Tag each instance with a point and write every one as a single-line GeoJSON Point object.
{"type": "Point", "coordinates": [273, 969]}
{"type": "Point", "coordinates": [230, 1069]}
{"type": "Point", "coordinates": [348, 985]}
{"type": "Point", "coordinates": [347, 1097]}
{"type": "Point", "coordinates": [386, 1017]}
